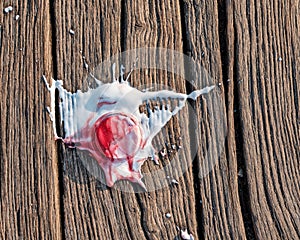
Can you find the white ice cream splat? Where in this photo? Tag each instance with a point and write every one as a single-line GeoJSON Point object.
{"type": "Point", "coordinates": [186, 235]}
{"type": "Point", "coordinates": [8, 9]}
{"type": "Point", "coordinates": [106, 122]}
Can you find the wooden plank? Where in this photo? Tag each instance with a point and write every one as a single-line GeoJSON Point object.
{"type": "Point", "coordinates": [157, 24]}
{"type": "Point", "coordinates": [267, 79]}
{"type": "Point", "coordinates": [90, 209]}
{"type": "Point", "coordinates": [29, 198]}
{"type": "Point", "coordinates": [87, 205]}
{"type": "Point", "coordinates": [221, 214]}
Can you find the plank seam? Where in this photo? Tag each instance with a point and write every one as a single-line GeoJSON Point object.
{"type": "Point", "coordinates": [189, 88]}
{"type": "Point", "coordinates": [59, 159]}
{"type": "Point", "coordinates": [243, 185]}
{"type": "Point", "coordinates": [123, 26]}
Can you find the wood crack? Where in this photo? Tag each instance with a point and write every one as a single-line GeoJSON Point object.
{"type": "Point", "coordinates": [226, 24]}
{"type": "Point", "coordinates": [60, 163]}
{"type": "Point", "coordinates": [189, 88]}
{"type": "Point", "coordinates": [242, 180]}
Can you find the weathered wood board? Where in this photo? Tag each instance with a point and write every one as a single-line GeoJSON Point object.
{"type": "Point", "coordinates": [266, 70]}
{"type": "Point", "coordinates": [249, 49]}
{"type": "Point", "coordinates": [29, 195]}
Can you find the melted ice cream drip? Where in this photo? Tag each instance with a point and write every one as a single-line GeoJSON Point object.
{"type": "Point", "coordinates": [106, 121]}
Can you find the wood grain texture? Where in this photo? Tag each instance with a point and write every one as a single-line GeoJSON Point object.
{"type": "Point", "coordinates": [158, 24]}
{"type": "Point", "coordinates": [248, 49]}
{"type": "Point", "coordinates": [90, 209]}
{"type": "Point", "coordinates": [29, 198]}
{"type": "Point", "coordinates": [267, 79]}
{"type": "Point", "coordinates": [220, 206]}
{"type": "Point", "coordinates": [113, 214]}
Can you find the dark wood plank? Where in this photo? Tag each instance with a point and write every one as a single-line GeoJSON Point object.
{"type": "Point", "coordinates": [220, 206]}
{"type": "Point", "coordinates": [267, 79]}
{"type": "Point", "coordinates": [90, 209]}
{"type": "Point", "coordinates": [157, 24]}
{"type": "Point", "coordinates": [29, 198]}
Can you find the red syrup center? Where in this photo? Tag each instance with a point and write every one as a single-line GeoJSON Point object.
{"type": "Point", "coordinates": [119, 136]}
